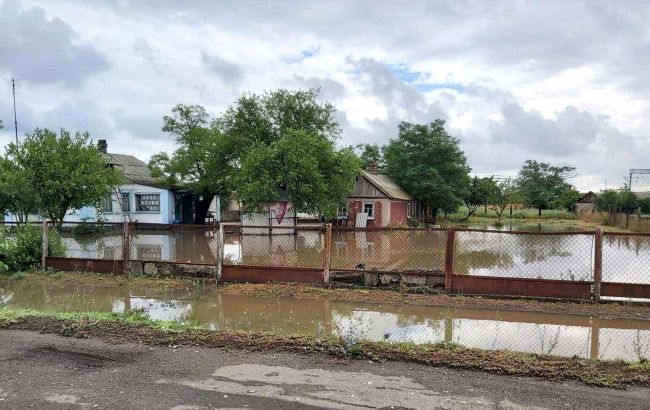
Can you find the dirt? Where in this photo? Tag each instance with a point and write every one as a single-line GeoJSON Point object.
{"type": "Point", "coordinates": [607, 310]}
{"type": "Point", "coordinates": [597, 373]}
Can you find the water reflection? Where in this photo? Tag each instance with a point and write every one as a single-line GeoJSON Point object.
{"type": "Point", "coordinates": [567, 257]}
{"type": "Point", "coordinates": [563, 335]}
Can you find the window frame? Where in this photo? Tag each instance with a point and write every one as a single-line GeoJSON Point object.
{"type": "Point", "coordinates": [137, 198]}
{"type": "Point", "coordinates": [107, 201]}
{"type": "Point", "coordinates": [370, 216]}
{"type": "Point", "coordinates": [127, 201]}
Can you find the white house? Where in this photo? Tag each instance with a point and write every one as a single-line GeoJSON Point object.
{"type": "Point", "coordinates": [140, 198]}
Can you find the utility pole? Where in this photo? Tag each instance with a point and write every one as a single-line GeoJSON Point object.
{"type": "Point", "coordinates": [13, 88]}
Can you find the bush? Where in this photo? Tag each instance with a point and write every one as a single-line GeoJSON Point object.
{"type": "Point", "coordinates": [22, 249]}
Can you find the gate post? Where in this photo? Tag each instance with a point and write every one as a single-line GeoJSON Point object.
{"type": "Point", "coordinates": [449, 258]}
{"type": "Point", "coordinates": [126, 245]}
{"type": "Point", "coordinates": [598, 262]}
{"type": "Point", "coordinates": [327, 253]}
{"type": "Point", "coordinates": [44, 243]}
{"type": "Point", "coordinates": [220, 250]}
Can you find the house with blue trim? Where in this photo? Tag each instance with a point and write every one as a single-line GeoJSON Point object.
{"type": "Point", "coordinates": [140, 197]}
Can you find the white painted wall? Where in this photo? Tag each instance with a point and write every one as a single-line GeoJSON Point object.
{"type": "Point", "coordinates": [90, 214]}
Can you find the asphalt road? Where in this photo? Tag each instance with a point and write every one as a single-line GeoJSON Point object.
{"type": "Point", "coordinates": [52, 372]}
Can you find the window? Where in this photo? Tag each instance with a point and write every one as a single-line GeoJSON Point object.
{"type": "Point", "coordinates": [343, 210]}
{"type": "Point", "coordinates": [147, 202]}
{"type": "Point", "coordinates": [107, 205]}
{"type": "Point", "coordinates": [409, 209]}
{"type": "Point", "coordinates": [369, 209]}
{"type": "Point", "coordinates": [125, 199]}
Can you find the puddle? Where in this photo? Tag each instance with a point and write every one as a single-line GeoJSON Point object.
{"type": "Point", "coordinates": [563, 335]}
{"type": "Point", "coordinates": [562, 257]}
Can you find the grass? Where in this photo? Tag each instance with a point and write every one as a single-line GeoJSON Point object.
{"type": "Point", "coordinates": [518, 214]}
{"type": "Point", "coordinates": [136, 328]}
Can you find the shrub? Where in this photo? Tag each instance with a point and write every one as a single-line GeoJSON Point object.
{"type": "Point", "coordinates": [23, 248]}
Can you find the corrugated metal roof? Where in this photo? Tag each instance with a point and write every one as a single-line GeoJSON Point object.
{"type": "Point", "coordinates": [134, 170]}
{"type": "Point", "coordinates": [388, 186]}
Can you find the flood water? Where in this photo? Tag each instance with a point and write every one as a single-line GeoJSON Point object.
{"type": "Point", "coordinates": [568, 257]}
{"type": "Point", "coordinates": [563, 335]}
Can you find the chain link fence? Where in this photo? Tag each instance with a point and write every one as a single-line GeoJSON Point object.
{"type": "Point", "coordinates": [626, 258]}
{"type": "Point", "coordinates": [398, 250]}
{"type": "Point", "coordinates": [532, 255]}
{"type": "Point", "coordinates": [286, 247]}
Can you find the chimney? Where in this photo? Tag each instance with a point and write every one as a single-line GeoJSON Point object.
{"type": "Point", "coordinates": [372, 167]}
{"type": "Point", "coordinates": [102, 146]}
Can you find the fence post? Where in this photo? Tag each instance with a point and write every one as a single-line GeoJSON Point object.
{"type": "Point", "coordinates": [327, 253]}
{"type": "Point", "coordinates": [44, 243]}
{"type": "Point", "coordinates": [598, 262]}
{"type": "Point", "coordinates": [220, 250]}
{"type": "Point", "coordinates": [126, 251]}
{"type": "Point", "coordinates": [449, 257]}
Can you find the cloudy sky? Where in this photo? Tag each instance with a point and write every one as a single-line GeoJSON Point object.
{"type": "Point", "coordinates": [566, 82]}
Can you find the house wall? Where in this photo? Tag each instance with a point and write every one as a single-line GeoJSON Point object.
{"type": "Point", "coordinates": [262, 219]}
{"type": "Point", "coordinates": [90, 214]}
{"type": "Point", "coordinates": [398, 214]}
{"type": "Point", "coordinates": [382, 211]}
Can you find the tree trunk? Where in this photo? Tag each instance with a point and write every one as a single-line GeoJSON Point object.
{"type": "Point", "coordinates": [539, 212]}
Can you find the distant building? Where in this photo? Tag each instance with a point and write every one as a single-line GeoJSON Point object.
{"type": "Point", "coordinates": [377, 201]}
{"type": "Point", "coordinates": [586, 203]}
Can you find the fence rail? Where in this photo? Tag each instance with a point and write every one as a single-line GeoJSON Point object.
{"type": "Point", "coordinates": [567, 265]}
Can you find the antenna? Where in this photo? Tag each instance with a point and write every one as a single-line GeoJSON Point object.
{"type": "Point", "coordinates": [13, 88]}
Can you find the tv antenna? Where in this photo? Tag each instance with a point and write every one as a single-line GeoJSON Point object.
{"type": "Point", "coordinates": [13, 89]}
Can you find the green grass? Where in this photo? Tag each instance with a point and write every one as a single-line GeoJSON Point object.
{"type": "Point", "coordinates": [519, 214]}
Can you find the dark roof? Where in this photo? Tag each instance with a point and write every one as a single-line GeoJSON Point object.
{"type": "Point", "coordinates": [134, 170]}
{"type": "Point", "coordinates": [387, 185]}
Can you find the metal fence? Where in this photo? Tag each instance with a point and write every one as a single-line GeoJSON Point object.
{"type": "Point", "coordinates": [574, 265]}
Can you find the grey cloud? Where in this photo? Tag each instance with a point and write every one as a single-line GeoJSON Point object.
{"type": "Point", "coordinates": [230, 73]}
{"type": "Point", "coordinates": [565, 136]}
{"type": "Point", "coordinates": [42, 51]}
{"type": "Point", "coordinates": [330, 90]}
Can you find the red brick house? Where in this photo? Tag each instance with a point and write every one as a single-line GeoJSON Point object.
{"type": "Point", "coordinates": [383, 201]}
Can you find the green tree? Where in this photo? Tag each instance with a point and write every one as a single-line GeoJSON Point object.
{"type": "Point", "coordinates": [503, 196]}
{"type": "Point", "coordinates": [644, 204]}
{"type": "Point", "coordinates": [264, 118]}
{"type": "Point", "coordinates": [607, 201]}
{"type": "Point", "coordinates": [542, 185]}
{"type": "Point", "coordinates": [429, 163]}
{"type": "Point", "coordinates": [200, 161]}
{"type": "Point", "coordinates": [284, 142]}
{"type": "Point", "coordinates": [478, 194]}
{"type": "Point", "coordinates": [17, 195]}
{"type": "Point", "coordinates": [310, 170]}
{"type": "Point", "coordinates": [371, 153]}
{"type": "Point", "coordinates": [66, 171]}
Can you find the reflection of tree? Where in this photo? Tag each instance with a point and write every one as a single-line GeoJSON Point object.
{"type": "Point", "coordinates": [547, 345]}
{"type": "Point", "coordinates": [466, 261]}
{"type": "Point", "coordinates": [640, 346]}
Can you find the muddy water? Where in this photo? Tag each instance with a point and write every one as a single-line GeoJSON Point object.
{"type": "Point", "coordinates": [568, 257]}
{"type": "Point", "coordinates": [563, 335]}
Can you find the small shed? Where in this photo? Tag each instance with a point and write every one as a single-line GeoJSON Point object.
{"type": "Point", "coordinates": [586, 203]}
{"type": "Point", "coordinates": [383, 201]}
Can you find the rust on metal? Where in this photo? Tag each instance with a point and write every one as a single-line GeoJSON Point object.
{"type": "Point", "coordinates": [264, 274]}
{"type": "Point", "coordinates": [542, 288]}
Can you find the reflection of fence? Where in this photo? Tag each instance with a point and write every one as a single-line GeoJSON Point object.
{"type": "Point", "coordinates": [574, 265]}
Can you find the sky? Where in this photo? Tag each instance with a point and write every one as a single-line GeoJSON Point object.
{"type": "Point", "coordinates": [565, 82]}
